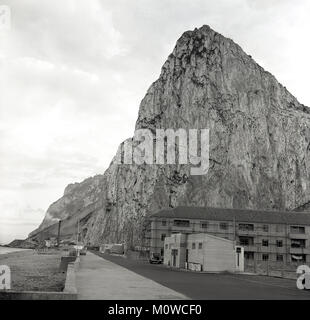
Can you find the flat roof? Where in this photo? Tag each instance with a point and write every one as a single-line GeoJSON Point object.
{"type": "Point", "coordinates": [239, 215]}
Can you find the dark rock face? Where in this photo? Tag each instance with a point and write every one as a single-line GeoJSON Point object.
{"type": "Point", "coordinates": [21, 244]}
{"type": "Point", "coordinates": [259, 143]}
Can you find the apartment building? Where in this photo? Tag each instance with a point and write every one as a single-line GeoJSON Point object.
{"type": "Point", "coordinates": [271, 239]}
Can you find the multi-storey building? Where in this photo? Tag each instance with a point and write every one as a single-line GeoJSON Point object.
{"type": "Point", "coordinates": [271, 239]}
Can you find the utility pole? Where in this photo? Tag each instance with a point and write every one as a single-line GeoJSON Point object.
{"type": "Point", "coordinates": [286, 248]}
{"type": "Point", "coordinates": [234, 225]}
{"type": "Point", "coordinates": [77, 239]}
{"type": "Point", "coordinates": [58, 236]}
{"type": "Point", "coordinates": [78, 232]}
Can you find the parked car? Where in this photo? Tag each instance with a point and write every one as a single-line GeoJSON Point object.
{"type": "Point", "coordinates": [156, 258]}
{"type": "Point", "coordinates": [83, 251]}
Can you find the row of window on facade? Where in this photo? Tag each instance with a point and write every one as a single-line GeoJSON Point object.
{"type": "Point", "coordinates": [249, 241]}
{"type": "Point", "coordinates": [199, 245]}
{"type": "Point", "coordinates": [249, 255]}
{"type": "Point", "coordinates": [241, 226]}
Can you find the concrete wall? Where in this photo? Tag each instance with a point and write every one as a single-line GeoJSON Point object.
{"type": "Point", "coordinates": [69, 292]}
{"type": "Point", "coordinates": [217, 254]}
{"type": "Point", "coordinates": [34, 295]}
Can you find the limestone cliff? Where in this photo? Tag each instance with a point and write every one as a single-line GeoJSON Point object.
{"type": "Point", "coordinates": [77, 197]}
{"type": "Point", "coordinates": [259, 143]}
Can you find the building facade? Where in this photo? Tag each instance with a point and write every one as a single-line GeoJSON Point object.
{"type": "Point", "coordinates": [200, 252]}
{"type": "Point", "coordinates": [271, 239]}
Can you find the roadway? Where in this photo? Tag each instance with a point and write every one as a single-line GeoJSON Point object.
{"type": "Point", "coordinates": [205, 286]}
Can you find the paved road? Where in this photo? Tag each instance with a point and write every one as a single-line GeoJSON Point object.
{"type": "Point", "coordinates": [213, 286]}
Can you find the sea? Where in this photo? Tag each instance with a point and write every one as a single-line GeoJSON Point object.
{"type": "Point", "coordinates": [4, 250]}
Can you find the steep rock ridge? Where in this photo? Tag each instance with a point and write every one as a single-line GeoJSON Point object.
{"type": "Point", "coordinates": [77, 197]}
{"type": "Point", "coordinates": [259, 142]}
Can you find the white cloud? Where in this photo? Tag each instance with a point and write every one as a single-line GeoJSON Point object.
{"type": "Point", "coordinates": [72, 74]}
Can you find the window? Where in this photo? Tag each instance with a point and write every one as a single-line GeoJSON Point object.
{"type": "Point", "coordinates": [297, 229]}
{"type": "Point", "coordinates": [163, 236]}
{"type": "Point", "coordinates": [246, 226]}
{"type": "Point", "coordinates": [223, 225]}
{"type": "Point", "coordinates": [249, 255]}
{"type": "Point", "coordinates": [279, 257]}
{"type": "Point", "coordinates": [166, 246]}
{"type": "Point", "coordinates": [298, 257]}
{"type": "Point", "coordinates": [181, 223]}
{"type": "Point", "coordinates": [246, 241]}
{"type": "Point", "coordinates": [193, 245]}
{"type": "Point", "coordinates": [204, 225]}
{"type": "Point", "coordinates": [279, 243]}
{"type": "Point", "coordinates": [265, 243]}
{"type": "Point", "coordinates": [265, 228]}
{"type": "Point", "coordinates": [200, 245]}
{"type": "Point", "coordinates": [164, 223]}
{"type": "Point", "coordinates": [298, 243]}
{"type": "Point", "coordinates": [265, 257]}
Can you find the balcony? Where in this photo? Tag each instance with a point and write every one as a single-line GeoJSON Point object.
{"type": "Point", "coordinates": [246, 232]}
{"type": "Point", "coordinates": [299, 250]}
{"type": "Point", "coordinates": [298, 235]}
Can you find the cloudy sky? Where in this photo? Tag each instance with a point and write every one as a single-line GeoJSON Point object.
{"type": "Point", "coordinates": [72, 75]}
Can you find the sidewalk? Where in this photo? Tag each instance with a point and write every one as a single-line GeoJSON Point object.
{"type": "Point", "coordinates": [100, 279]}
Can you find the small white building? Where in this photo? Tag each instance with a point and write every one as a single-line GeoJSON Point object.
{"type": "Point", "coordinates": [202, 252]}
{"type": "Point", "coordinates": [117, 248]}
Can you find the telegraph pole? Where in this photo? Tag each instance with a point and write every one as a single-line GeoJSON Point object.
{"type": "Point", "coordinates": [77, 239]}
{"type": "Point", "coordinates": [234, 225]}
{"type": "Point", "coordinates": [78, 232]}
{"type": "Point", "coordinates": [58, 236]}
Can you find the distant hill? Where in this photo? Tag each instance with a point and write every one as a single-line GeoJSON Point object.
{"type": "Point", "coordinates": [17, 243]}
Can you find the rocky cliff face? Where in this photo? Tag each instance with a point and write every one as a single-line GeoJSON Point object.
{"type": "Point", "coordinates": [77, 197]}
{"type": "Point", "coordinates": [259, 143]}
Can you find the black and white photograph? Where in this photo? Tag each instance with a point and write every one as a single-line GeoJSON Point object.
{"type": "Point", "coordinates": [155, 155]}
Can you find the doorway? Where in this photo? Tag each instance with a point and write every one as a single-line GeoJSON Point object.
{"type": "Point", "coordinates": [174, 253]}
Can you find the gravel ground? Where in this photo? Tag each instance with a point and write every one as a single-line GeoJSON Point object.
{"type": "Point", "coordinates": [31, 271]}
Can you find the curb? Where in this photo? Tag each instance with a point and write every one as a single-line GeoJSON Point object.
{"type": "Point", "coordinates": [70, 284]}
{"type": "Point", "coordinates": [35, 295]}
